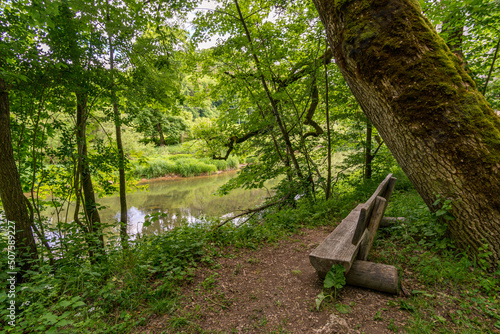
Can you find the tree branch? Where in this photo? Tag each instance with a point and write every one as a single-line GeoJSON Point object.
{"type": "Point", "coordinates": [235, 140]}
{"type": "Point", "coordinates": [310, 114]}
{"type": "Point", "coordinates": [253, 211]}
{"type": "Point", "coordinates": [491, 68]}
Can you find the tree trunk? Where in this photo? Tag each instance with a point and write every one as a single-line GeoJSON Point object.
{"type": "Point", "coordinates": [272, 101]}
{"type": "Point", "coordinates": [89, 205]}
{"type": "Point", "coordinates": [439, 128]}
{"type": "Point", "coordinates": [328, 136]}
{"type": "Point", "coordinates": [368, 151]}
{"type": "Point", "coordinates": [160, 132]}
{"type": "Point", "coordinates": [11, 192]}
{"type": "Point", "coordinates": [121, 156]}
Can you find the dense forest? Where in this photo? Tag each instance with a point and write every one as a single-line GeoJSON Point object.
{"type": "Point", "coordinates": [323, 98]}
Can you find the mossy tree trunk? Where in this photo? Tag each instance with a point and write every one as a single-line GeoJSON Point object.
{"type": "Point", "coordinates": [440, 129]}
{"type": "Point", "coordinates": [11, 192]}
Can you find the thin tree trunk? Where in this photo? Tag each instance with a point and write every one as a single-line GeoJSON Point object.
{"type": "Point", "coordinates": [368, 151]}
{"type": "Point", "coordinates": [11, 193]}
{"type": "Point", "coordinates": [89, 202]}
{"type": "Point", "coordinates": [491, 68]}
{"type": "Point", "coordinates": [274, 108]}
{"type": "Point", "coordinates": [121, 157]}
{"type": "Point", "coordinates": [160, 132]}
{"type": "Point", "coordinates": [439, 128]}
{"type": "Point", "coordinates": [328, 135]}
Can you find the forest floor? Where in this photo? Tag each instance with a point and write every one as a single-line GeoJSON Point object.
{"type": "Point", "coordinates": [273, 290]}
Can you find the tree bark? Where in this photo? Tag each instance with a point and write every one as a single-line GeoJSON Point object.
{"type": "Point", "coordinates": [368, 151]}
{"type": "Point", "coordinates": [440, 129]}
{"type": "Point", "coordinates": [89, 202]}
{"type": "Point", "coordinates": [121, 156]}
{"type": "Point", "coordinates": [11, 192]}
{"type": "Point", "coordinates": [160, 132]}
{"type": "Point", "coordinates": [328, 136]}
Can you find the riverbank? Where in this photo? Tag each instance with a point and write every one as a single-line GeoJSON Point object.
{"type": "Point", "coordinates": [185, 165]}
{"type": "Point", "coordinates": [178, 176]}
{"type": "Point", "coordinates": [256, 278]}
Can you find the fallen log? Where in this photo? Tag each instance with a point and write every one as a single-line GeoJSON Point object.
{"type": "Point", "coordinates": [389, 221]}
{"type": "Point", "coordinates": [375, 276]}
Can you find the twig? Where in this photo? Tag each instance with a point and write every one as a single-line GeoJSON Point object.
{"type": "Point", "coordinates": [218, 304]}
{"type": "Point", "coordinates": [491, 68]}
{"type": "Point", "coordinates": [252, 211]}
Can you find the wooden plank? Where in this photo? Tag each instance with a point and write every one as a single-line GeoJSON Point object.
{"type": "Point", "coordinates": [375, 276]}
{"type": "Point", "coordinates": [360, 226]}
{"type": "Point", "coordinates": [337, 247]}
{"type": "Point", "coordinates": [390, 188]}
{"type": "Point", "coordinates": [385, 188]}
{"type": "Point", "coordinates": [380, 191]}
{"type": "Point", "coordinates": [377, 214]}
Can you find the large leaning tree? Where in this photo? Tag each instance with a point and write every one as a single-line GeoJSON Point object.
{"type": "Point", "coordinates": [440, 129]}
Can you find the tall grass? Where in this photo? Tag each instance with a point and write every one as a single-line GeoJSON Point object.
{"type": "Point", "coordinates": [181, 164]}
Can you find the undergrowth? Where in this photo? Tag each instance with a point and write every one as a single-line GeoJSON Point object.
{"type": "Point", "coordinates": [449, 292]}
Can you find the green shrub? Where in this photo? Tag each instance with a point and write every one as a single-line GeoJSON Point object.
{"type": "Point", "coordinates": [191, 167]}
{"type": "Point", "coordinates": [181, 164]}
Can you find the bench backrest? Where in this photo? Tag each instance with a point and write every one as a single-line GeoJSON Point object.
{"type": "Point", "coordinates": [383, 190]}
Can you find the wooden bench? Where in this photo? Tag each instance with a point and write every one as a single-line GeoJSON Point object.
{"type": "Point", "coordinates": [351, 241]}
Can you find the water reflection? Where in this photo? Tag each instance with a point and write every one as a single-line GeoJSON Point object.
{"type": "Point", "coordinates": [188, 200]}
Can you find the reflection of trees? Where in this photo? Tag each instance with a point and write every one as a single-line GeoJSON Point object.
{"type": "Point", "coordinates": [183, 200]}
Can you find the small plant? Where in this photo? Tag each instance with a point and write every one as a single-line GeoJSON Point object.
{"type": "Point", "coordinates": [209, 282]}
{"type": "Point", "coordinates": [334, 282]}
{"type": "Point", "coordinates": [237, 269]}
{"type": "Point", "coordinates": [445, 211]}
{"type": "Point", "coordinates": [392, 326]}
{"type": "Point", "coordinates": [343, 308]}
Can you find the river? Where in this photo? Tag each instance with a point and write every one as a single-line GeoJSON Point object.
{"type": "Point", "coordinates": [179, 200]}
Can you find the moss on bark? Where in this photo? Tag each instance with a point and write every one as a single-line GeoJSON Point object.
{"type": "Point", "coordinates": [414, 90]}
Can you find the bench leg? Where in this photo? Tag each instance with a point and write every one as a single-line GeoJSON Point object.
{"type": "Point", "coordinates": [375, 276]}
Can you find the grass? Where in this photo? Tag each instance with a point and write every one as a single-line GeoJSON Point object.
{"type": "Point", "coordinates": [455, 293]}
{"type": "Point", "coordinates": [181, 164]}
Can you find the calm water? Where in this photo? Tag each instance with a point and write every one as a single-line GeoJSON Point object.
{"type": "Point", "coordinates": [186, 199]}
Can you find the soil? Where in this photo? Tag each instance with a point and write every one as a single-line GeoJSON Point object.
{"type": "Point", "coordinates": [273, 290]}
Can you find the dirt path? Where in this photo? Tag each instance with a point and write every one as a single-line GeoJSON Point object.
{"type": "Point", "coordinates": [273, 290]}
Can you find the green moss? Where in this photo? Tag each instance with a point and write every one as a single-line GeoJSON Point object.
{"type": "Point", "coordinates": [396, 44]}
{"type": "Point", "coordinates": [338, 4]}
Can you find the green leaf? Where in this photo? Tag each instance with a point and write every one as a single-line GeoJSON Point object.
{"type": "Point", "coordinates": [335, 277]}
{"type": "Point", "coordinates": [342, 308]}
{"type": "Point", "coordinates": [50, 318]}
{"type": "Point", "coordinates": [64, 322]}
{"type": "Point", "coordinates": [319, 300]}
{"type": "Point", "coordinates": [65, 303]}
{"type": "Point", "coordinates": [78, 304]}
{"type": "Point", "coordinates": [405, 306]}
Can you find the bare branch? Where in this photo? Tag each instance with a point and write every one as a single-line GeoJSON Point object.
{"type": "Point", "coordinates": [253, 211]}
